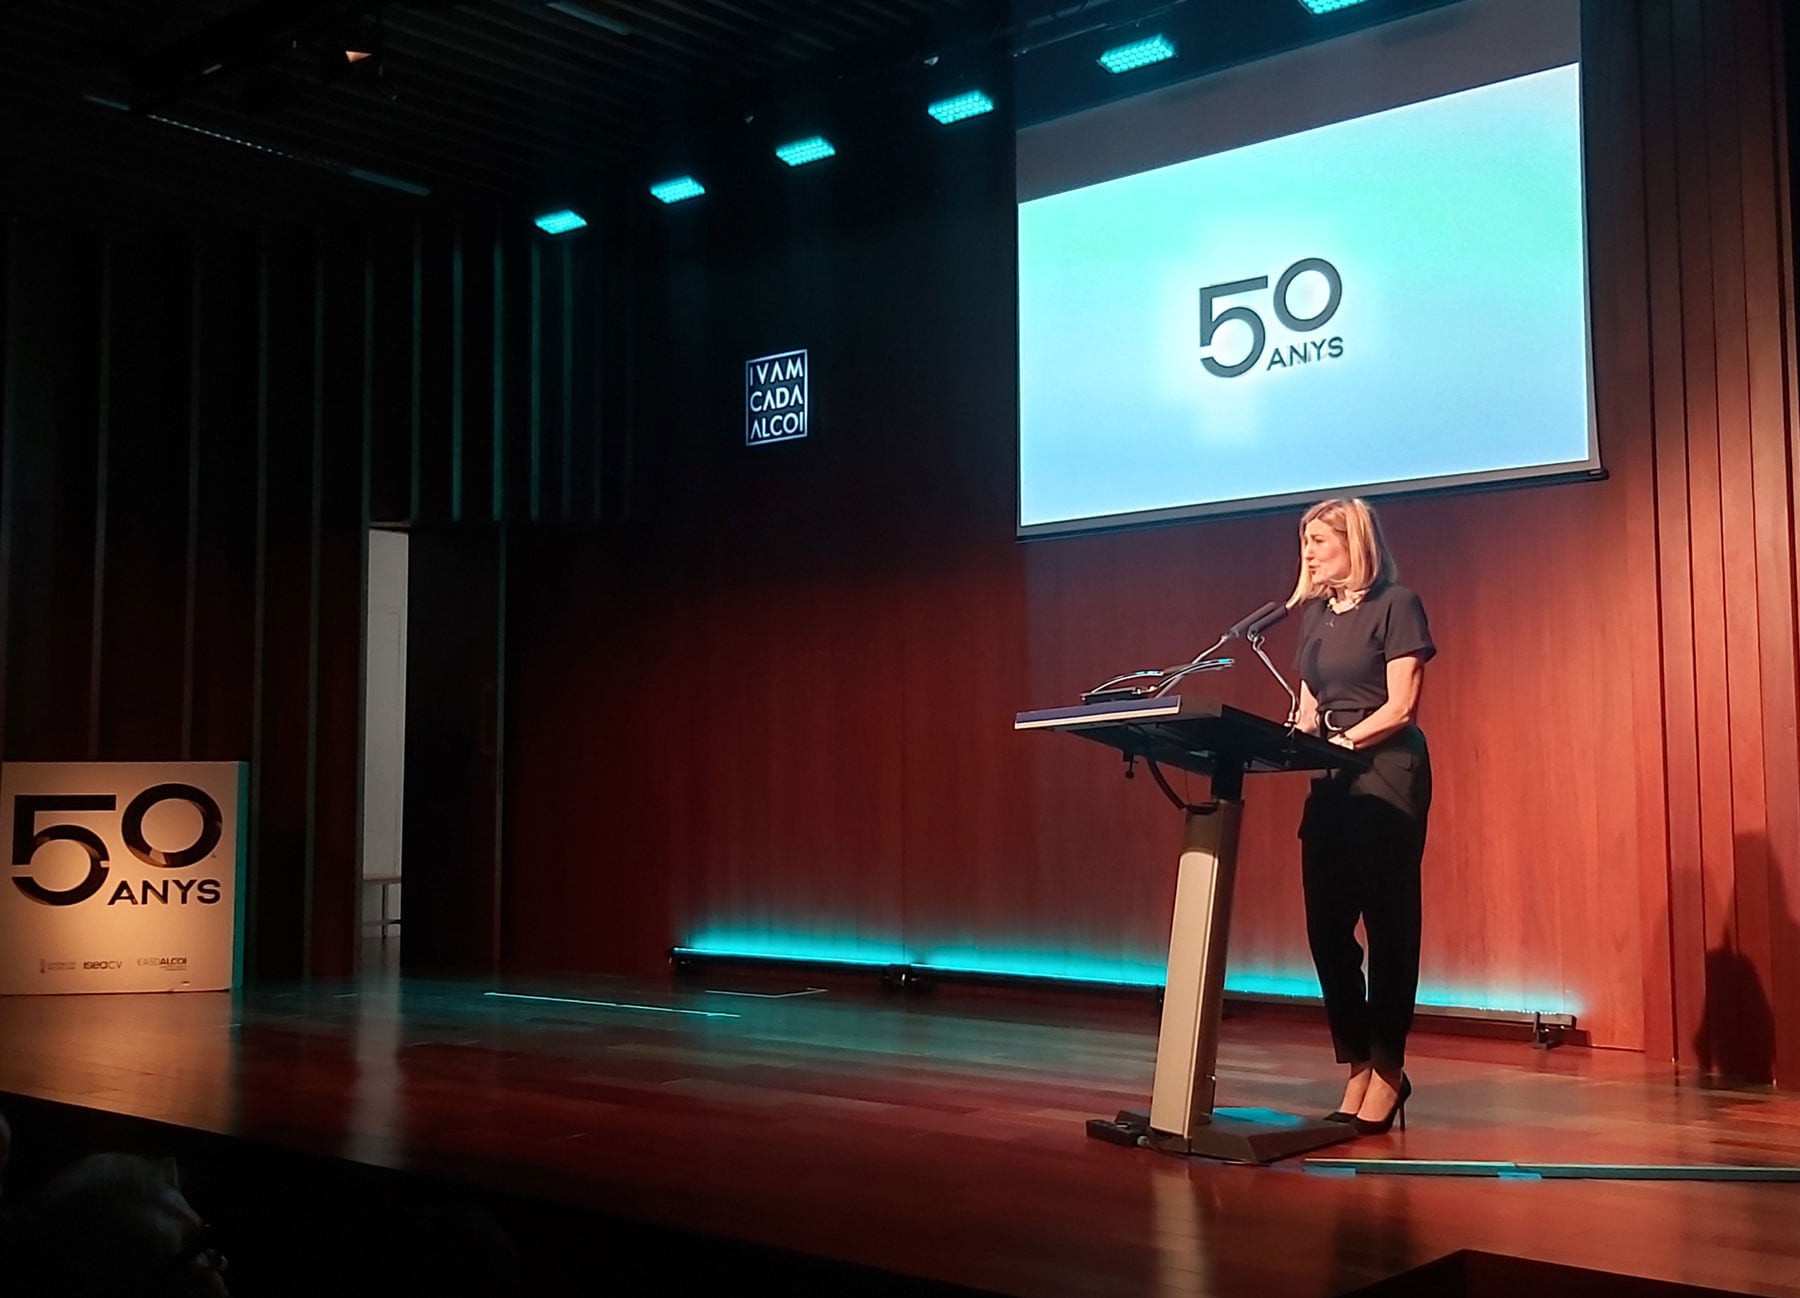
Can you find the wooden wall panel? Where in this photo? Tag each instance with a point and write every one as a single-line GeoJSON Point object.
{"type": "Point", "coordinates": [1768, 326]}
{"type": "Point", "coordinates": [1027, 847]}
{"type": "Point", "coordinates": [1725, 414]}
{"type": "Point", "coordinates": [284, 738]}
{"type": "Point", "coordinates": [390, 343]}
{"type": "Point", "coordinates": [12, 329]}
{"type": "Point", "coordinates": [435, 375]}
{"type": "Point", "coordinates": [340, 457]}
{"type": "Point", "coordinates": [1681, 882]}
{"type": "Point", "coordinates": [197, 427]}
{"type": "Point", "coordinates": [55, 305]}
{"type": "Point", "coordinates": [224, 508]}
{"type": "Point", "coordinates": [1746, 922]}
{"type": "Point", "coordinates": [768, 693]}
{"type": "Point", "coordinates": [592, 903]}
{"type": "Point", "coordinates": [518, 330]}
{"type": "Point", "coordinates": [143, 490]}
{"type": "Point", "coordinates": [453, 734]}
{"type": "Point", "coordinates": [1108, 845]}
{"type": "Point", "coordinates": [479, 277]}
{"type": "Point", "coordinates": [1617, 196]}
{"type": "Point", "coordinates": [1611, 717]}
{"type": "Point", "coordinates": [1770, 273]}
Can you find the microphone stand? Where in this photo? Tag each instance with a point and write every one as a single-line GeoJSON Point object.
{"type": "Point", "coordinates": [1204, 663]}
{"type": "Point", "coordinates": [1164, 677]}
{"type": "Point", "coordinates": [1252, 630]}
{"type": "Point", "coordinates": [1293, 717]}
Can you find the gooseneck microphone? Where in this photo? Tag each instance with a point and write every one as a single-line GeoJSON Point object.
{"type": "Point", "coordinates": [1249, 628]}
{"type": "Point", "coordinates": [1150, 684]}
{"type": "Point", "coordinates": [1258, 622]}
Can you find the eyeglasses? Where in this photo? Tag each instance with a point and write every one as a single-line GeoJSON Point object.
{"type": "Point", "coordinates": [202, 1249]}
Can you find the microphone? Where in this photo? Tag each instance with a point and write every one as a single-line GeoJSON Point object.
{"type": "Point", "coordinates": [1251, 629]}
{"type": "Point", "coordinates": [1258, 622]}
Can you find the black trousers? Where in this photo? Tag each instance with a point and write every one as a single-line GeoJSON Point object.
{"type": "Point", "coordinates": [1359, 858]}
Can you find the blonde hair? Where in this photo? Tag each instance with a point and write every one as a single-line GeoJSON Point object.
{"type": "Point", "coordinates": [1359, 528]}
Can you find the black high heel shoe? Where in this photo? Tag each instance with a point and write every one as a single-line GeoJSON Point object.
{"type": "Point", "coordinates": [1371, 1127]}
{"type": "Point", "coordinates": [1342, 1115]}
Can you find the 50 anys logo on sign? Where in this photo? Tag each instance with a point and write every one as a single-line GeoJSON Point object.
{"type": "Point", "coordinates": [28, 838]}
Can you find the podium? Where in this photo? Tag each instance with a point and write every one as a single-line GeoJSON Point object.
{"type": "Point", "coordinates": [1203, 737]}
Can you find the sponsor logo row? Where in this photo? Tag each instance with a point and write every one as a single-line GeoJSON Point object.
{"type": "Point", "coordinates": [142, 962]}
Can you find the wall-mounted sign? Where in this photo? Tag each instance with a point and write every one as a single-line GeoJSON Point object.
{"type": "Point", "coordinates": [775, 398]}
{"type": "Point", "coordinates": [120, 876]}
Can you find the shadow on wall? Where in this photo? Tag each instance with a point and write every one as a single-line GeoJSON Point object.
{"type": "Point", "coordinates": [1735, 1041]}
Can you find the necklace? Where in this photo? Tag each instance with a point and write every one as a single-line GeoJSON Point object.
{"type": "Point", "coordinates": [1347, 604]}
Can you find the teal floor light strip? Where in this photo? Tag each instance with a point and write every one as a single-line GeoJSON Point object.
{"type": "Point", "coordinates": [1058, 965]}
{"type": "Point", "coordinates": [1550, 1171]}
{"type": "Point", "coordinates": [611, 1005]}
{"type": "Point", "coordinates": [1299, 986]}
{"type": "Point", "coordinates": [797, 949]}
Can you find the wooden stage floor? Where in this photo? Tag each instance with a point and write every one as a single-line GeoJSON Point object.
{"type": "Point", "coordinates": [938, 1136]}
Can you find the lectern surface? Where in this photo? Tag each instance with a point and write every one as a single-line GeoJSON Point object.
{"type": "Point", "coordinates": [1191, 733]}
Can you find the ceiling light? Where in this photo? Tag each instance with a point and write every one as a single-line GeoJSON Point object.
{"type": "Point", "coordinates": [1124, 58]}
{"type": "Point", "coordinates": [560, 222]}
{"type": "Point", "coordinates": [815, 148]}
{"type": "Point", "coordinates": [972, 104]}
{"type": "Point", "coordinates": [674, 191]}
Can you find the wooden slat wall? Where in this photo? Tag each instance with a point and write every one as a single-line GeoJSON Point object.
{"type": "Point", "coordinates": [1624, 365]}
{"type": "Point", "coordinates": [1613, 718]}
{"type": "Point", "coordinates": [1719, 279]}
{"type": "Point", "coordinates": [198, 430]}
{"type": "Point", "coordinates": [775, 700]}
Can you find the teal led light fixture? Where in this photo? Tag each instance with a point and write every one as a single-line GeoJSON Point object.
{"type": "Point", "coordinates": [961, 107]}
{"type": "Point", "coordinates": [1326, 6]}
{"type": "Point", "coordinates": [1138, 54]}
{"type": "Point", "coordinates": [677, 190]}
{"type": "Point", "coordinates": [1507, 1002]}
{"type": "Point", "coordinates": [815, 148]}
{"type": "Point", "coordinates": [560, 222]}
{"type": "Point", "coordinates": [1048, 965]}
{"type": "Point", "coordinates": [795, 947]}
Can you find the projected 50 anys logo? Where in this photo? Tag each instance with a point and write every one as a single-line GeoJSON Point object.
{"type": "Point", "coordinates": [1300, 351]}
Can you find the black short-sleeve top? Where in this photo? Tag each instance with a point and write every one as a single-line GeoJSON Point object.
{"type": "Point", "coordinates": [1343, 659]}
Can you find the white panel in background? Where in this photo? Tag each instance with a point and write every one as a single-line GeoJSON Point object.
{"type": "Point", "coordinates": [384, 715]}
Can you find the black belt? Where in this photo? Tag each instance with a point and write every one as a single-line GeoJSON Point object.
{"type": "Point", "coordinates": [1337, 720]}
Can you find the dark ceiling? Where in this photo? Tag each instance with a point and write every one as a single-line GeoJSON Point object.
{"type": "Point", "coordinates": [479, 101]}
{"type": "Point", "coordinates": [246, 108]}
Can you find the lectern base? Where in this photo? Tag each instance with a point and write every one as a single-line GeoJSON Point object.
{"type": "Point", "coordinates": [1253, 1136]}
{"type": "Point", "coordinates": [1233, 1135]}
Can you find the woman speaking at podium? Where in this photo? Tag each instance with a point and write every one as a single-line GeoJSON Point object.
{"type": "Point", "coordinates": [1364, 644]}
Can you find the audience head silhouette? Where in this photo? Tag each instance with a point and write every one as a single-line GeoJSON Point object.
{"type": "Point", "coordinates": [115, 1224]}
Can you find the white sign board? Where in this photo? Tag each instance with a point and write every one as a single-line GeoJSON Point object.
{"type": "Point", "coordinates": [122, 876]}
{"type": "Point", "coordinates": [775, 398]}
